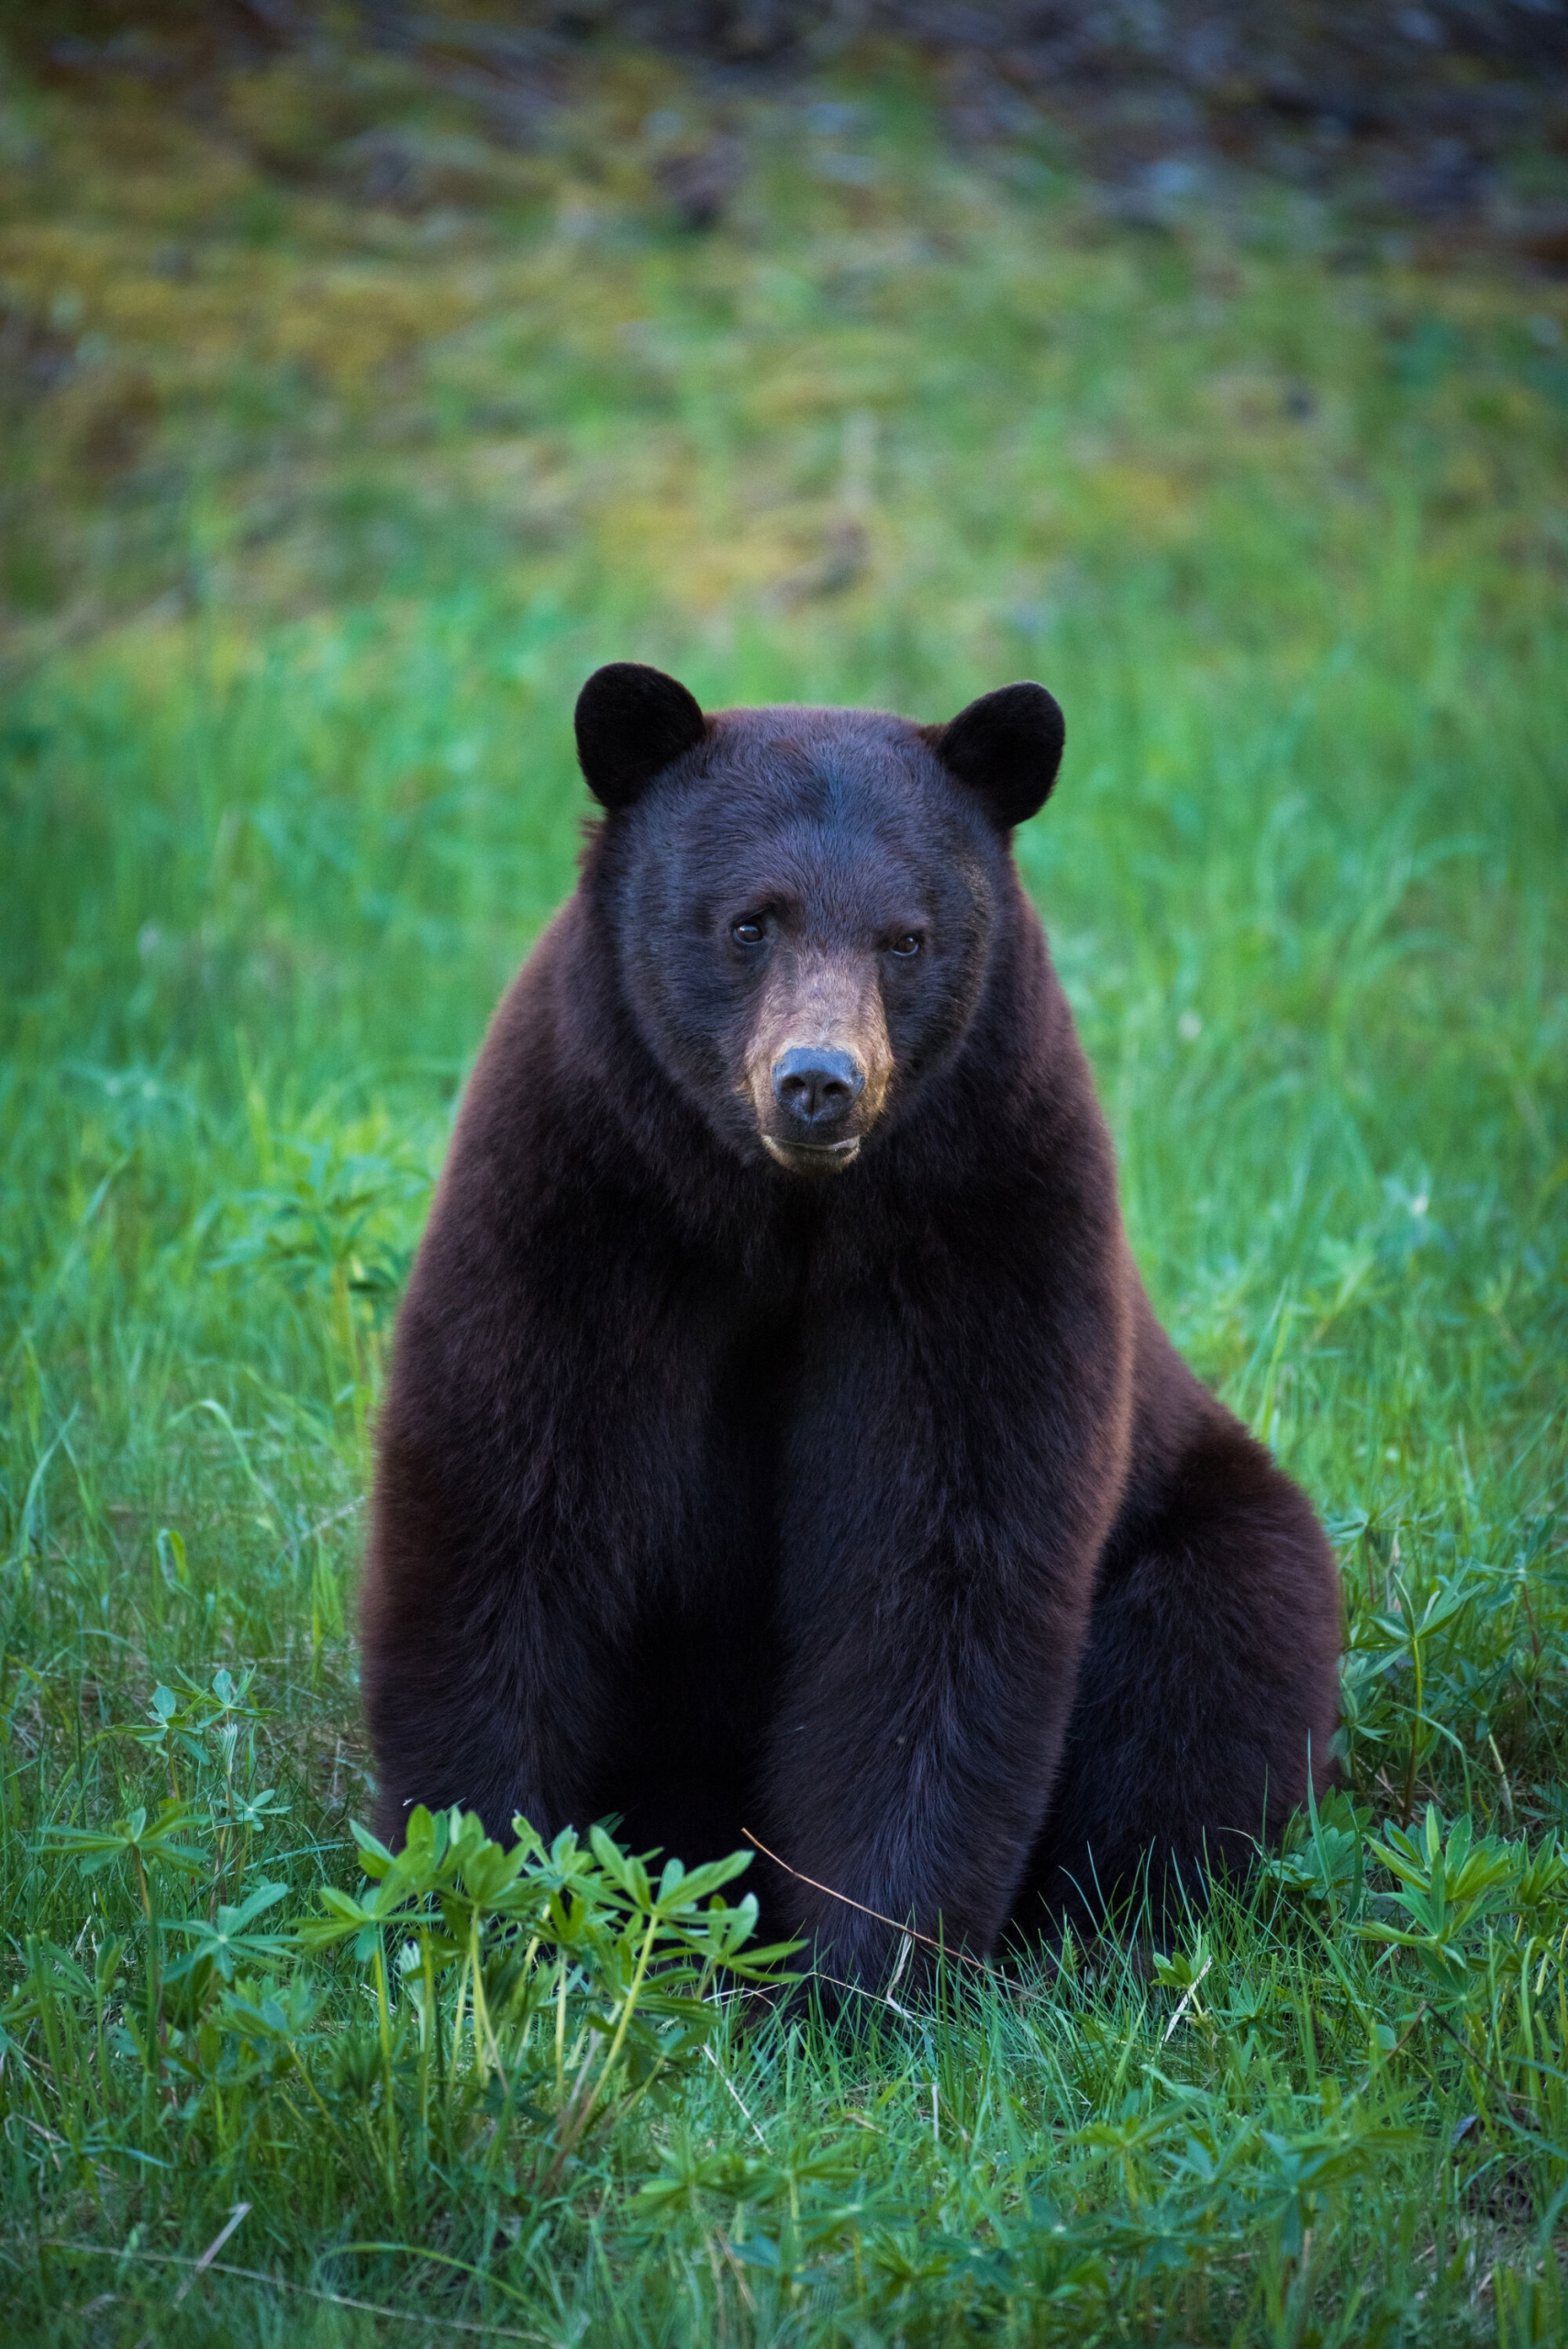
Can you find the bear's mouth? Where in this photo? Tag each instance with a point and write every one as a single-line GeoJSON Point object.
{"type": "Point", "coordinates": [814, 1157]}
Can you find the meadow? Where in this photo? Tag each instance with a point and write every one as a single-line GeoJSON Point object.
{"type": "Point", "coordinates": [332, 505]}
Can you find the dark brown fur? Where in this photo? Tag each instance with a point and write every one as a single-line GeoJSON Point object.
{"type": "Point", "coordinates": [875, 1514]}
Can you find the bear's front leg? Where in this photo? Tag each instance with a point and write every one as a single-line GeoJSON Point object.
{"type": "Point", "coordinates": [937, 1565]}
{"type": "Point", "coordinates": [912, 1766]}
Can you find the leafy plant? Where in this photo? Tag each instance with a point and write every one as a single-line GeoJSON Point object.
{"type": "Point", "coordinates": [624, 1967]}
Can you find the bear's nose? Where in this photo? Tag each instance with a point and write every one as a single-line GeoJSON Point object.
{"type": "Point", "coordinates": [817, 1088]}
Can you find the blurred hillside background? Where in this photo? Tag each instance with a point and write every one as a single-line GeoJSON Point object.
{"type": "Point", "coordinates": [301, 304]}
{"type": "Point", "coordinates": [367, 376]}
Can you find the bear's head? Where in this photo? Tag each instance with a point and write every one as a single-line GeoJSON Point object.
{"type": "Point", "coordinates": [804, 902]}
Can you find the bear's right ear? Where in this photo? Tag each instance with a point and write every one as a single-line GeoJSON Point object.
{"type": "Point", "coordinates": [632, 722]}
{"type": "Point", "coordinates": [1006, 747]}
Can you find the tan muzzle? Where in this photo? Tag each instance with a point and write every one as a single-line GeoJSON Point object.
{"type": "Point", "coordinates": [818, 1064]}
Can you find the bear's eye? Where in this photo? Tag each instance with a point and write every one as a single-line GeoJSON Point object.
{"type": "Point", "coordinates": [907, 945]}
{"type": "Point", "coordinates": [747, 933]}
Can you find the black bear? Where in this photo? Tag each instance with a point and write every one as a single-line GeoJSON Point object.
{"type": "Point", "coordinates": [779, 1438]}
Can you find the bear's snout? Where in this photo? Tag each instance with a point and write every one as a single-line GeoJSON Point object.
{"type": "Point", "coordinates": [817, 1089]}
{"type": "Point", "coordinates": [819, 1062]}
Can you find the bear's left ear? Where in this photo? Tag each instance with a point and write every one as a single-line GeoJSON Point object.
{"type": "Point", "coordinates": [1006, 747]}
{"type": "Point", "coordinates": [631, 723]}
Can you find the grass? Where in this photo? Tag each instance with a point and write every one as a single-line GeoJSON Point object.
{"type": "Point", "coordinates": [296, 628]}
